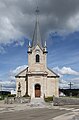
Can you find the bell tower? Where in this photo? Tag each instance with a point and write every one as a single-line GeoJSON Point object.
{"type": "Point", "coordinates": [37, 52]}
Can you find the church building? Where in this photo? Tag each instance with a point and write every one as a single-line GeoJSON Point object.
{"type": "Point", "coordinates": [37, 80]}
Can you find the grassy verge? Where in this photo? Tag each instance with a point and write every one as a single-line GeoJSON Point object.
{"type": "Point", "coordinates": [2, 97]}
{"type": "Point", "coordinates": [48, 99]}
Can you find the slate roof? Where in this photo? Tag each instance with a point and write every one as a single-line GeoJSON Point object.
{"type": "Point", "coordinates": [36, 36]}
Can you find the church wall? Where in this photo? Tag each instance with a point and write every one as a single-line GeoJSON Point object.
{"type": "Point", "coordinates": [32, 60]}
{"type": "Point", "coordinates": [52, 87]}
{"type": "Point", "coordinates": [49, 86]}
{"type": "Point", "coordinates": [57, 87]}
{"type": "Point", "coordinates": [32, 80]}
{"type": "Point", "coordinates": [23, 86]}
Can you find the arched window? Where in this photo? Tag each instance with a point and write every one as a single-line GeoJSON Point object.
{"type": "Point", "coordinates": [37, 58]}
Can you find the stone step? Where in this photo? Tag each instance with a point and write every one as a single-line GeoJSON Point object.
{"type": "Point", "coordinates": [37, 102]}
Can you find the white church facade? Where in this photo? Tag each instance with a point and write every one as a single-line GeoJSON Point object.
{"type": "Point", "coordinates": [37, 80]}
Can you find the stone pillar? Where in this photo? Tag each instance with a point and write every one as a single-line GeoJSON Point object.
{"type": "Point", "coordinates": [32, 91]}
{"type": "Point", "coordinates": [42, 92]}
{"type": "Point", "coordinates": [33, 94]}
{"type": "Point", "coordinates": [19, 93]}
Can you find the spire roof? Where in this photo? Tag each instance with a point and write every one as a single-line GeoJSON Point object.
{"type": "Point", "coordinates": [36, 36]}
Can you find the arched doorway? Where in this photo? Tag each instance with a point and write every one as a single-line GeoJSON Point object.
{"type": "Point", "coordinates": [37, 90]}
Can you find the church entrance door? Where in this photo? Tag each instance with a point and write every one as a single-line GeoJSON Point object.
{"type": "Point", "coordinates": [37, 90]}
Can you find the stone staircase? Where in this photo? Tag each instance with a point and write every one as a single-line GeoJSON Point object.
{"type": "Point", "coordinates": [37, 102]}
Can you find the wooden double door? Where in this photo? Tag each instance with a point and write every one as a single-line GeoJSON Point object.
{"type": "Point", "coordinates": [37, 90]}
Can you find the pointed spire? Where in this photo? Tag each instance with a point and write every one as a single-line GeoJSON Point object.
{"type": "Point", "coordinates": [29, 48]}
{"type": "Point", "coordinates": [36, 36]}
{"type": "Point", "coordinates": [45, 47]}
{"type": "Point", "coordinates": [29, 44]}
{"type": "Point", "coordinates": [45, 44]}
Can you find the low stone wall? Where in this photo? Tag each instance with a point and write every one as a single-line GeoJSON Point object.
{"type": "Point", "coordinates": [65, 101]}
{"type": "Point", "coordinates": [12, 100]}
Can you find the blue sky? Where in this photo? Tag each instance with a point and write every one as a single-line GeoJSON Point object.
{"type": "Point", "coordinates": [59, 26]}
{"type": "Point", "coordinates": [63, 51]}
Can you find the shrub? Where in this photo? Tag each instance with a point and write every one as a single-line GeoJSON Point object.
{"type": "Point", "coordinates": [9, 95]}
{"type": "Point", "coordinates": [26, 96]}
{"type": "Point", "coordinates": [48, 99]}
{"type": "Point", "coordinates": [2, 97]}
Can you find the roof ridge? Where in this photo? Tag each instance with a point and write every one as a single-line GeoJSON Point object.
{"type": "Point", "coordinates": [22, 71]}
{"type": "Point", "coordinates": [53, 72]}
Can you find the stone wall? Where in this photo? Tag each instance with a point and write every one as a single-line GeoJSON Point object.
{"type": "Point", "coordinates": [23, 86]}
{"type": "Point", "coordinates": [12, 100]}
{"type": "Point", "coordinates": [65, 101]}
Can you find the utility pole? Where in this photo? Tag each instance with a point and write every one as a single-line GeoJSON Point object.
{"type": "Point", "coordinates": [70, 87]}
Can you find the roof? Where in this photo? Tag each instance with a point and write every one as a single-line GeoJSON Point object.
{"type": "Point", "coordinates": [19, 74]}
{"type": "Point", "coordinates": [53, 72]}
{"type": "Point", "coordinates": [25, 72]}
{"type": "Point", "coordinates": [36, 36]}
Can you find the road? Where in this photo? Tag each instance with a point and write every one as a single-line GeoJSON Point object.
{"type": "Point", "coordinates": [33, 114]}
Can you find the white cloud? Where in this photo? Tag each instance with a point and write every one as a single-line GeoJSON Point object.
{"type": "Point", "coordinates": [8, 33]}
{"type": "Point", "coordinates": [7, 85]}
{"type": "Point", "coordinates": [2, 50]}
{"type": "Point", "coordinates": [10, 84]}
{"type": "Point", "coordinates": [66, 70]}
{"type": "Point", "coordinates": [16, 71]}
{"type": "Point", "coordinates": [73, 22]}
{"type": "Point", "coordinates": [74, 80]}
{"type": "Point", "coordinates": [19, 69]}
{"type": "Point", "coordinates": [21, 43]}
{"type": "Point", "coordinates": [17, 17]}
{"type": "Point", "coordinates": [63, 82]}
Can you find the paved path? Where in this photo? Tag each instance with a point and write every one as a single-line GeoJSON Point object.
{"type": "Point", "coordinates": [33, 114]}
{"type": "Point", "coordinates": [72, 115]}
{"type": "Point", "coordinates": [49, 112]}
